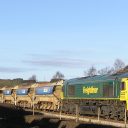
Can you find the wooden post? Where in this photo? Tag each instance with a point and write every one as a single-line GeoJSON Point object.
{"type": "Point", "coordinates": [125, 117]}
{"type": "Point", "coordinates": [24, 104]}
{"type": "Point", "coordinates": [77, 112]}
{"type": "Point", "coordinates": [60, 109]}
{"type": "Point", "coordinates": [15, 99]}
{"type": "Point", "coordinates": [2, 98]}
{"type": "Point", "coordinates": [33, 110]}
{"type": "Point", "coordinates": [33, 107]}
{"type": "Point", "coordinates": [98, 113]}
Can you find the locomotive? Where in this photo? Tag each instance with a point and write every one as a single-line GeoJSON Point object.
{"type": "Point", "coordinates": [107, 93]}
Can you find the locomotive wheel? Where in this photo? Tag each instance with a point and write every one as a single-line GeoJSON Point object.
{"type": "Point", "coordinates": [105, 112]}
{"type": "Point", "coordinates": [116, 118]}
{"type": "Point", "coordinates": [107, 117]}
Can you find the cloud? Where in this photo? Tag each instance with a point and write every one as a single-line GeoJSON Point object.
{"type": "Point", "coordinates": [9, 70]}
{"type": "Point", "coordinates": [61, 62]}
{"type": "Point", "coordinates": [63, 58]}
{"type": "Point", "coordinates": [13, 70]}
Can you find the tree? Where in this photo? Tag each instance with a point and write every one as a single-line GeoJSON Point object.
{"type": "Point", "coordinates": [58, 75]}
{"type": "Point", "coordinates": [105, 71]}
{"type": "Point", "coordinates": [118, 65]}
{"type": "Point", "coordinates": [33, 77]}
{"type": "Point", "coordinates": [91, 71]}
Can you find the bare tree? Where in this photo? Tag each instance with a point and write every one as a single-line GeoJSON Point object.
{"type": "Point", "coordinates": [91, 71]}
{"type": "Point", "coordinates": [118, 65]}
{"type": "Point", "coordinates": [106, 70]}
{"type": "Point", "coordinates": [58, 75]}
{"type": "Point", "coordinates": [33, 77]}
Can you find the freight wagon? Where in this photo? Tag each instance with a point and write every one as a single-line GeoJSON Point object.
{"type": "Point", "coordinates": [24, 95]}
{"type": "Point", "coordinates": [9, 95]}
{"type": "Point", "coordinates": [1, 94]}
{"type": "Point", "coordinates": [47, 97]}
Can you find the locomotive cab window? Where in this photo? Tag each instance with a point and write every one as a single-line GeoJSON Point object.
{"type": "Point", "coordinates": [1, 91]}
{"type": "Point", "coordinates": [108, 90]}
{"type": "Point", "coordinates": [71, 90]}
{"type": "Point", "coordinates": [122, 86]}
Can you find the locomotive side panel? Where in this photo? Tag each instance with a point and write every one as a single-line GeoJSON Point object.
{"type": "Point", "coordinates": [93, 93]}
{"type": "Point", "coordinates": [92, 89]}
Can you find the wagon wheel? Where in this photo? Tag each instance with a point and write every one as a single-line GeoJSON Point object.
{"type": "Point", "coordinates": [107, 117]}
{"type": "Point", "coordinates": [116, 118]}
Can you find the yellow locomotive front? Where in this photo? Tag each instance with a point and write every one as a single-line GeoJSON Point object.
{"type": "Point", "coordinates": [124, 91]}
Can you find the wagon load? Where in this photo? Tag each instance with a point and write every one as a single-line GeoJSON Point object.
{"type": "Point", "coordinates": [44, 90]}
{"type": "Point", "coordinates": [23, 91]}
{"type": "Point", "coordinates": [7, 92]}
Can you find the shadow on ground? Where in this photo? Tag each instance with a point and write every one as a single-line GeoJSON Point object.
{"type": "Point", "coordinates": [12, 116]}
{"type": "Point", "coordinates": [56, 123]}
{"type": "Point", "coordinates": [16, 117]}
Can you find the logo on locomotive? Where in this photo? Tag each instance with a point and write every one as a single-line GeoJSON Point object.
{"type": "Point", "coordinates": [90, 90]}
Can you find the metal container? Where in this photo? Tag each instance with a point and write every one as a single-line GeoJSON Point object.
{"type": "Point", "coordinates": [7, 92]}
{"type": "Point", "coordinates": [44, 90]}
{"type": "Point", "coordinates": [22, 91]}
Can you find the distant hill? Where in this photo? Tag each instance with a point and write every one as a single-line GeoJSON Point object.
{"type": "Point", "coordinates": [8, 82]}
{"type": "Point", "coordinates": [55, 80]}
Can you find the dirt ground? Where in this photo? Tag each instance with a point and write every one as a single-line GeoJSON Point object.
{"type": "Point", "coordinates": [12, 117]}
{"type": "Point", "coordinates": [45, 122]}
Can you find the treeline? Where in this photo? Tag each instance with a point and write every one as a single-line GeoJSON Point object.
{"type": "Point", "coordinates": [118, 66]}
{"type": "Point", "coordinates": [8, 82]}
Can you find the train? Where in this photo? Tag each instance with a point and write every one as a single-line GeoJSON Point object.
{"type": "Point", "coordinates": [41, 95]}
{"type": "Point", "coordinates": [105, 93]}
{"type": "Point", "coordinates": [109, 93]}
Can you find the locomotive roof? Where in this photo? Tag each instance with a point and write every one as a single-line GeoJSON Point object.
{"type": "Point", "coordinates": [121, 75]}
{"type": "Point", "coordinates": [97, 78]}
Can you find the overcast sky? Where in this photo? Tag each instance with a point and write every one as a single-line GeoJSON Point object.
{"type": "Point", "coordinates": [43, 36]}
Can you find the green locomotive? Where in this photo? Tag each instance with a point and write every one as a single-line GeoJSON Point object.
{"type": "Point", "coordinates": [108, 92]}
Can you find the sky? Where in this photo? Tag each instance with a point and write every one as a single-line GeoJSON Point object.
{"type": "Point", "coordinates": [40, 37]}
